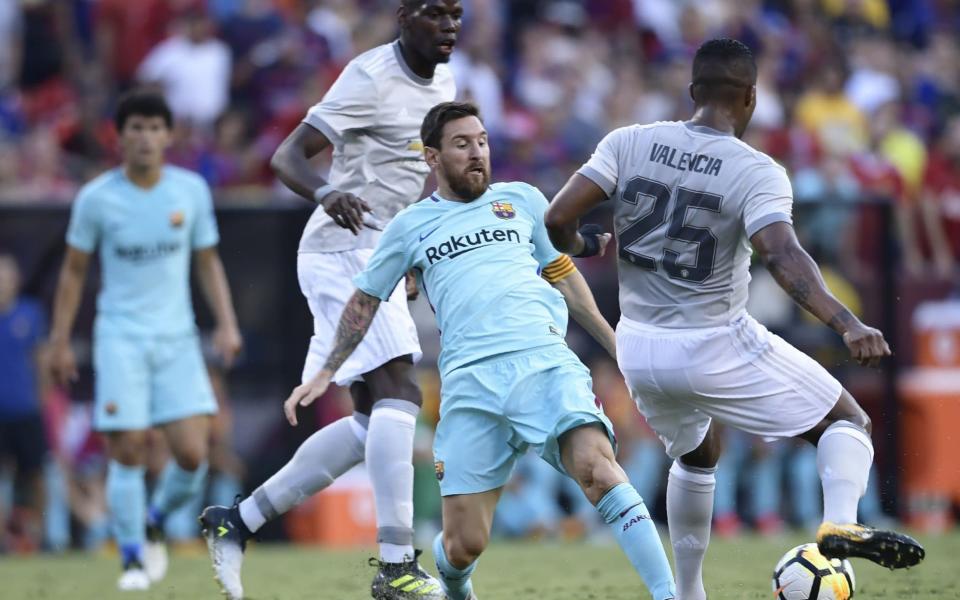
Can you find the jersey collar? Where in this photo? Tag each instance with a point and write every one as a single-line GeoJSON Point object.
{"type": "Point", "coordinates": [406, 68]}
{"type": "Point", "coordinates": [705, 129]}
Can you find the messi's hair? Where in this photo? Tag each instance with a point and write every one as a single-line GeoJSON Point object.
{"type": "Point", "coordinates": [721, 64]}
{"type": "Point", "coordinates": [431, 132]}
{"type": "Point", "coordinates": [144, 103]}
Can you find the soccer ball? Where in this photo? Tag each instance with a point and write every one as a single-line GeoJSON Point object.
{"type": "Point", "coordinates": [805, 574]}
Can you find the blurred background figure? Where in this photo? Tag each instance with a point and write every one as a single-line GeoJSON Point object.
{"type": "Point", "coordinates": [23, 445]}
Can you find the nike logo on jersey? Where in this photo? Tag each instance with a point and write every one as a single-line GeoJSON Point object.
{"type": "Point", "coordinates": [424, 236]}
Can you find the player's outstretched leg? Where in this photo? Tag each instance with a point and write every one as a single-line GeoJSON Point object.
{"type": "Point", "coordinates": [844, 456]}
{"type": "Point", "coordinates": [126, 501]}
{"type": "Point", "coordinates": [587, 456]}
{"type": "Point", "coordinates": [321, 458]}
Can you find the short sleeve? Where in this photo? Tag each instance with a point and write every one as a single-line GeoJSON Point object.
{"type": "Point", "coordinates": [602, 167]}
{"type": "Point", "coordinates": [350, 104]}
{"type": "Point", "coordinates": [83, 232]}
{"type": "Point", "coordinates": [388, 264]}
{"type": "Point", "coordinates": [543, 250]}
{"type": "Point", "coordinates": [204, 233]}
{"type": "Point", "coordinates": [769, 199]}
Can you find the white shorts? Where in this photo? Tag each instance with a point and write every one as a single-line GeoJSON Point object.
{"type": "Point", "coordinates": [740, 374]}
{"type": "Point", "coordinates": [326, 279]}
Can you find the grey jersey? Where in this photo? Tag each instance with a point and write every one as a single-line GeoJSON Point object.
{"type": "Point", "coordinates": [372, 116]}
{"type": "Point", "coordinates": [687, 199]}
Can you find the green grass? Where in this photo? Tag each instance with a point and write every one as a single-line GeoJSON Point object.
{"type": "Point", "coordinates": [735, 570]}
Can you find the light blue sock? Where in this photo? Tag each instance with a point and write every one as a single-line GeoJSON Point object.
{"type": "Point", "coordinates": [175, 488]}
{"type": "Point", "coordinates": [456, 581]}
{"type": "Point", "coordinates": [127, 503]}
{"type": "Point", "coordinates": [623, 509]}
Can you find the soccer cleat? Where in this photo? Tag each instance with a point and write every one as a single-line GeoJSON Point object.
{"type": "Point", "coordinates": [404, 581]}
{"type": "Point", "coordinates": [886, 548]}
{"type": "Point", "coordinates": [155, 559]}
{"type": "Point", "coordinates": [226, 537]}
{"type": "Point", "coordinates": [134, 578]}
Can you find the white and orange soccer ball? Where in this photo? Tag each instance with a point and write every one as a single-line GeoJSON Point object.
{"type": "Point", "coordinates": [805, 574]}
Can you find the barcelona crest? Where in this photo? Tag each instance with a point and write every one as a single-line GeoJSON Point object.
{"type": "Point", "coordinates": [503, 210]}
{"type": "Point", "coordinates": [438, 468]}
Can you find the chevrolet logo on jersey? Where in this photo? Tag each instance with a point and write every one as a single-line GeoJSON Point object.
{"type": "Point", "coordinates": [461, 244]}
{"type": "Point", "coordinates": [503, 210]}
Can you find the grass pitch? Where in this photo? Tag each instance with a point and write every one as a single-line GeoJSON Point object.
{"type": "Point", "coordinates": [735, 570]}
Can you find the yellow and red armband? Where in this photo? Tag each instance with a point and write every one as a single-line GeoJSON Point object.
{"type": "Point", "coordinates": [559, 269]}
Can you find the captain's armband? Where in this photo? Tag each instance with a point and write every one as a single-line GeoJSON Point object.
{"type": "Point", "coordinates": [559, 269]}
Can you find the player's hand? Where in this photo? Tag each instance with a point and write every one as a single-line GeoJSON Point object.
{"type": "Point", "coordinates": [603, 240]}
{"type": "Point", "coordinates": [866, 344]}
{"type": "Point", "coordinates": [346, 210]}
{"type": "Point", "coordinates": [304, 394]}
{"type": "Point", "coordinates": [227, 343]}
{"type": "Point", "coordinates": [410, 281]}
{"type": "Point", "coordinates": [62, 363]}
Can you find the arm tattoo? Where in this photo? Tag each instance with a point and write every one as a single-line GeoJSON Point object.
{"type": "Point", "coordinates": [354, 322]}
{"type": "Point", "coordinates": [841, 321]}
{"type": "Point", "coordinates": [799, 290]}
{"type": "Point", "coordinates": [800, 277]}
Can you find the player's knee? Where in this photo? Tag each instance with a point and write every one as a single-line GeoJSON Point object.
{"type": "Point", "coordinates": [191, 461]}
{"type": "Point", "coordinates": [464, 547]}
{"type": "Point", "coordinates": [596, 471]}
{"type": "Point", "coordinates": [864, 422]}
{"type": "Point", "coordinates": [128, 447]}
{"type": "Point", "coordinates": [603, 475]}
{"type": "Point", "coordinates": [848, 409]}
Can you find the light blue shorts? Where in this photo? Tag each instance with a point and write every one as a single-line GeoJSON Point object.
{"type": "Point", "coordinates": [141, 382]}
{"type": "Point", "coordinates": [492, 411]}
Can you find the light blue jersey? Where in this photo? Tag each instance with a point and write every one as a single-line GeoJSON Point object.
{"type": "Point", "coordinates": [479, 266]}
{"type": "Point", "coordinates": [146, 238]}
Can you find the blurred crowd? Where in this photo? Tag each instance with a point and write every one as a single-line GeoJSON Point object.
{"type": "Point", "coordinates": [858, 99]}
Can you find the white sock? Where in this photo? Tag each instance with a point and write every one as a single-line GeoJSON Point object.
{"type": "Point", "coordinates": [321, 458]}
{"type": "Point", "coordinates": [844, 456]}
{"type": "Point", "coordinates": [389, 462]}
{"type": "Point", "coordinates": [689, 512]}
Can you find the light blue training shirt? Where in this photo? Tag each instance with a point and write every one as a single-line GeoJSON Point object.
{"type": "Point", "coordinates": [478, 263]}
{"type": "Point", "coordinates": [146, 238]}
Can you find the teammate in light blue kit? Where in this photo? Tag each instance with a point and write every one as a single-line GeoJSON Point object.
{"type": "Point", "coordinates": [501, 292]}
{"type": "Point", "coordinates": [148, 221]}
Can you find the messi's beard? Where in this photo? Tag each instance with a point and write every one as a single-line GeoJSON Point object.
{"type": "Point", "coordinates": [468, 188]}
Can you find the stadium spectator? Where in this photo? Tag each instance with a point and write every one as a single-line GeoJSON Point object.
{"type": "Point", "coordinates": [22, 438]}
{"type": "Point", "coordinates": [193, 69]}
{"type": "Point", "coordinates": [126, 32]}
{"type": "Point", "coordinates": [940, 204]}
{"type": "Point", "coordinates": [838, 125]}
